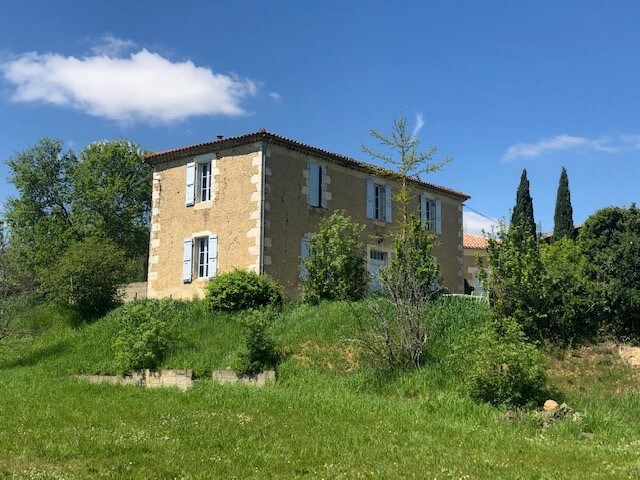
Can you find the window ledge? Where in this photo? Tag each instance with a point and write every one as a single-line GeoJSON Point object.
{"type": "Point", "coordinates": [202, 205]}
{"type": "Point", "coordinates": [379, 223]}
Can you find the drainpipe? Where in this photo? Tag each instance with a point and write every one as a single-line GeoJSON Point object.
{"type": "Point", "coordinates": [263, 149]}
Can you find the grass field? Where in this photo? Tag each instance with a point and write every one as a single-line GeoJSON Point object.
{"type": "Point", "coordinates": [325, 417]}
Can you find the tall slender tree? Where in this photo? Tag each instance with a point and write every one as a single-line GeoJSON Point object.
{"type": "Point", "coordinates": [563, 217]}
{"type": "Point", "coordinates": [523, 211]}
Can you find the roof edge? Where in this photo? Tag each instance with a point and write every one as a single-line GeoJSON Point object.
{"type": "Point", "coordinates": [157, 158]}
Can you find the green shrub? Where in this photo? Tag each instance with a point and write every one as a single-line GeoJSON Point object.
{"type": "Point", "coordinates": [518, 285]}
{"type": "Point", "coordinates": [335, 268]}
{"type": "Point", "coordinates": [260, 350]}
{"type": "Point", "coordinates": [143, 337]}
{"type": "Point", "coordinates": [610, 242]}
{"type": "Point", "coordinates": [500, 366]}
{"type": "Point", "coordinates": [88, 276]}
{"type": "Point", "coordinates": [242, 290]}
{"type": "Point", "coordinates": [570, 309]}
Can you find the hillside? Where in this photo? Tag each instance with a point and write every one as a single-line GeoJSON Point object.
{"type": "Point", "coordinates": [325, 417]}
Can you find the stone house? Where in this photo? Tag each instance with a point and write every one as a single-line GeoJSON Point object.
{"type": "Point", "coordinates": [474, 246]}
{"type": "Point", "coordinates": [254, 200]}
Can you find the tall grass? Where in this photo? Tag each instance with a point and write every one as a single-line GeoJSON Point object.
{"type": "Point", "coordinates": [327, 416]}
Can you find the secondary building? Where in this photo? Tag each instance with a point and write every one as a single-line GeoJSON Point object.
{"type": "Point", "coordinates": [254, 200]}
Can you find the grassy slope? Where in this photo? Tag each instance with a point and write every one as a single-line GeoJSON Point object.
{"type": "Point", "coordinates": [324, 418]}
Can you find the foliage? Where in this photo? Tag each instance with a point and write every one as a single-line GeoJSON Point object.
{"type": "Point", "coordinates": [570, 308]}
{"type": "Point", "coordinates": [501, 367]}
{"type": "Point", "coordinates": [523, 211]}
{"type": "Point", "coordinates": [143, 336]}
{"type": "Point", "coordinates": [88, 276]}
{"type": "Point", "coordinates": [610, 242]}
{"type": "Point", "coordinates": [63, 199]}
{"type": "Point", "coordinates": [395, 332]}
{"type": "Point", "coordinates": [335, 268]}
{"type": "Point", "coordinates": [260, 352]}
{"type": "Point", "coordinates": [517, 284]}
{"type": "Point", "coordinates": [563, 217]}
{"type": "Point", "coordinates": [242, 290]}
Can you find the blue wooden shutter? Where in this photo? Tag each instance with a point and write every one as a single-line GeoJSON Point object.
{"type": "Point", "coordinates": [387, 206]}
{"type": "Point", "coordinates": [314, 185]}
{"type": "Point", "coordinates": [438, 217]}
{"type": "Point", "coordinates": [187, 254]}
{"type": "Point", "coordinates": [190, 195]}
{"type": "Point", "coordinates": [213, 255]}
{"type": "Point", "coordinates": [370, 199]}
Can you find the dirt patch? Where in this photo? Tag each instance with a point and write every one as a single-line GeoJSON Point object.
{"type": "Point", "coordinates": [631, 355]}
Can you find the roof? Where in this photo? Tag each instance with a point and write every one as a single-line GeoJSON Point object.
{"type": "Point", "coordinates": [474, 241]}
{"type": "Point", "coordinates": [262, 135]}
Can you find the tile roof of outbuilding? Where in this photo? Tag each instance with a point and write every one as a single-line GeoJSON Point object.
{"type": "Point", "coordinates": [264, 136]}
{"type": "Point", "coordinates": [474, 241]}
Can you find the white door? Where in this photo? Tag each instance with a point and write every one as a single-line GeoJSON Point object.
{"type": "Point", "coordinates": [377, 260]}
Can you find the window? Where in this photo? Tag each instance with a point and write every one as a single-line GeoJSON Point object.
{"type": "Point", "coordinates": [378, 201]}
{"type": "Point", "coordinates": [377, 260]}
{"type": "Point", "coordinates": [204, 176]}
{"type": "Point", "coordinates": [198, 187]}
{"type": "Point", "coordinates": [200, 258]}
{"type": "Point", "coordinates": [203, 258]}
{"type": "Point", "coordinates": [431, 214]}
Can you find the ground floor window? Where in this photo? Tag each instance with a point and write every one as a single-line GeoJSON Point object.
{"type": "Point", "coordinates": [378, 259]}
{"type": "Point", "coordinates": [202, 266]}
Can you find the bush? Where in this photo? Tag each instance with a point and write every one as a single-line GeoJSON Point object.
{"type": "Point", "coordinates": [335, 269]}
{"type": "Point", "coordinates": [610, 242]}
{"type": "Point", "coordinates": [518, 285]}
{"type": "Point", "coordinates": [143, 337]}
{"type": "Point", "coordinates": [242, 290]}
{"type": "Point", "coordinates": [260, 353]}
{"type": "Point", "coordinates": [88, 276]}
{"type": "Point", "coordinates": [501, 367]}
{"type": "Point", "coordinates": [570, 310]}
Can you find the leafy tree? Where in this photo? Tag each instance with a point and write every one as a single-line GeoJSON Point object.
{"type": "Point", "coordinates": [610, 243]}
{"type": "Point", "coordinates": [523, 210]}
{"type": "Point", "coordinates": [112, 194]}
{"type": "Point", "coordinates": [63, 200]}
{"type": "Point", "coordinates": [336, 263]}
{"type": "Point", "coordinates": [88, 275]}
{"type": "Point", "coordinates": [563, 217]}
{"type": "Point", "coordinates": [40, 219]}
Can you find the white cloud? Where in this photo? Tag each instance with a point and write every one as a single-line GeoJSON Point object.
{"type": "Point", "coordinates": [419, 124]}
{"type": "Point", "coordinates": [276, 96]}
{"type": "Point", "coordinates": [475, 223]}
{"type": "Point", "coordinates": [143, 86]}
{"type": "Point", "coordinates": [111, 46]}
{"type": "Point", "coordinates": [566, 142]}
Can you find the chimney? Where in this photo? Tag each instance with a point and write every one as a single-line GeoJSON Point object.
{"type": "Point", "coordinates": [219, 137]}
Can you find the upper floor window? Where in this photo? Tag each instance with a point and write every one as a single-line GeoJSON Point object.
{"type": "Point", "coordinates": [431, 214]}
{"type": "Point", "coordinates": [199, 179]}
{"type": "Point", "coordinates": [378, 201]}
{"type": "Point", "coordinates": [204, 175]}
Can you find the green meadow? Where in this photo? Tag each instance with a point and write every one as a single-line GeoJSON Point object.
{"type": "Point", "coordinates": [326, 416]}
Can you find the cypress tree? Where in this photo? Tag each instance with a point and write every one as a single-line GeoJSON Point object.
{"type": "Point", "coordinates": [563, 217]}
{"type": "Point", "coordinates": [523, 211]}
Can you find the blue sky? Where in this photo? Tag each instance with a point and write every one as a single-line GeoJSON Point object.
{"type": "Point", "coordinates": [500, 86]}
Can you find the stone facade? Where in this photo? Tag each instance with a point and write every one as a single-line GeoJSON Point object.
{"type": "Point", "coordinates": [259, 210]}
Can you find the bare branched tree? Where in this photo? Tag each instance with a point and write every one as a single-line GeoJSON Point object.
{"type": "Point", "coordinates": [396, 328]}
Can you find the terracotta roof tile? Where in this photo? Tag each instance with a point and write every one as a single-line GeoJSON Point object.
{"type": "Point", "coordinates": [264, 136]}
{"type": "Point", "coordinates": [474, 241]}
